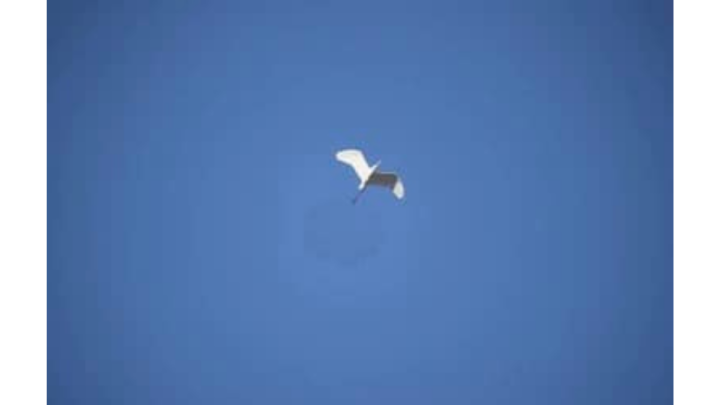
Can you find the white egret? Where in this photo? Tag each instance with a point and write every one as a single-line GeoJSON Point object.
{"type": "Point", "coordinates": [370, 176]}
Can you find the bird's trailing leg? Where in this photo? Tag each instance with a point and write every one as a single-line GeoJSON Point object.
{"type": "Point", "coordinates": [358, 195]}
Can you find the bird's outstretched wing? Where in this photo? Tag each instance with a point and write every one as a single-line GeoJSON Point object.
{"type": "Point", "coordinates": [356, 160]}
{"type": "Point", "coordinates": [389, 180]}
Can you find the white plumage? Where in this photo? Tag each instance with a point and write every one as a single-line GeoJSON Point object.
{"type": "Point", "coordinates": [369, 175]}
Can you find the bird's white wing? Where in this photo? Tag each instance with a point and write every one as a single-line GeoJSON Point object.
{"type": "Point", "coordinates": [389, 180]}
{"type": "Point", "coordinates": [356, 160]}
{"type": "Point", "coordinates": [399, 189]}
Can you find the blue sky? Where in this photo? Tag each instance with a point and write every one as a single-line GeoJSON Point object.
{"type": "Point", "coordinates": [202, 247]}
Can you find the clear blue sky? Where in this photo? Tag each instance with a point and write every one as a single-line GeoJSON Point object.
{"type": "Point", "coordinates": [202, 244]}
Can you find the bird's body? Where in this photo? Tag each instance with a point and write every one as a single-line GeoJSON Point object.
{"type": "Point", "coordinates": [369, 175]}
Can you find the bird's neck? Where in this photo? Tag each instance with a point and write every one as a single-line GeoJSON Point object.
{"type": "Point", "coordinates": [364, 182]}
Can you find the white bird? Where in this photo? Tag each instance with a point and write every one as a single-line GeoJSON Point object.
{"type": "Point", "coordinates": [370, 176]}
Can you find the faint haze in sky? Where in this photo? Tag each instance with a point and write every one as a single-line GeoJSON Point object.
{"type": "Point", "coordinates": [344, 233]}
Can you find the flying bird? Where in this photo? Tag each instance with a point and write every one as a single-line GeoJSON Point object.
{"type": "Point", "coordinates": [370, 176]}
